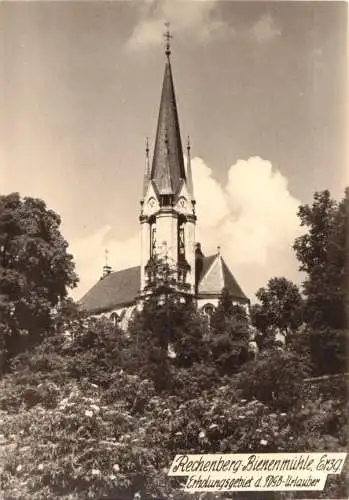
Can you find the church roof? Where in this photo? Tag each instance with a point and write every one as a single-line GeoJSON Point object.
{"type": "Point", "coordinates": [114, 290]}
{"type": "Point", "coordinates": [216, 275]}
{"type": "Point", "coordinates": [120, 288]}
{"type": "Point", "coordinates": [168, 163]}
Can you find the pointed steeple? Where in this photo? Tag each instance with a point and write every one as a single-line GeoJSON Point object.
{"type": "Point", "coordinates": [164, 184]}
{"type": "Point", "coordinates": [168, 163]}
{"type": "Point", "coordinates": [146, 168]}
{"type": "Point", "coordinates": [189, 173]}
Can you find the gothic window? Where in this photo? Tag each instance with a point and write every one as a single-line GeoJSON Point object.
{"type": "Point", "coordinates": [208, 309]}
{"type": "Point", "coordinates": [181, 242]}
{"type": "Point", "coordinates": [122, 314]}
{"type": "Point", "coordinates": [152, 240]}
{"type": "Point", "coordinates": [114, 318]}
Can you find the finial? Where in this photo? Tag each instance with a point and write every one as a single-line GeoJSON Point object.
{"type": "Point", "coordinates": [188, 143]}
{"type": "Point", "coordinates": [106, 268]}
{"type": "Point", "coordinates": [218, 250]}
{"type": "Point", "coordinates": [167, 37]}
{"type": "Point", "coordinates": [147, 146]}
{"type": "Point", "coordinates": [106, 255]}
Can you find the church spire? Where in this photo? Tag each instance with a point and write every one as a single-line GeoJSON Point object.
{"type": "Point", "coordinates": [168, 165]}
{"type": "Point", "coordinates": [164, 184]}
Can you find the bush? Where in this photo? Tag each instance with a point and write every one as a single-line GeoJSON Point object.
{"type": "Point", "coordinates": [275, 378]}
{"type": "Point", "coordinates": [81, 423]}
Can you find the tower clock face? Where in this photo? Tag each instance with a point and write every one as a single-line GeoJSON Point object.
{"type": "Point", "coordinates": [151, 203]}
{"type": "Point", "coordinates": [182, 203]}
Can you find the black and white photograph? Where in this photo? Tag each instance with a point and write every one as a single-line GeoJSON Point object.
{"type": "Point", "coordinates": [174, 271]}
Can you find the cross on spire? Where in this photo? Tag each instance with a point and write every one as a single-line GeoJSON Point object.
{"type": "Point", "coordinates": [106, 256]}
{"type": "Point", "coordinates": [167, 37]}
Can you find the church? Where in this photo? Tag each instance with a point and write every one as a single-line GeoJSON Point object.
{"type": "Point", "coordinates": [167, 223]}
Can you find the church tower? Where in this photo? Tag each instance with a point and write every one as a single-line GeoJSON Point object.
{"type": "Point", "coordinates": [167, 217]}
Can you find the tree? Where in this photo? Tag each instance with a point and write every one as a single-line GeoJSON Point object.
{"type": "Point", "coordinates": [323, 252]}
{"type": "Point", "coordinates": [280, 308]}
{"type": "Point", "coordinates": [167, 332]}
{"type": "Point", "coordinates": [172, 333]}
{"type": "Point", "coordinates": [35, 271]}
{"type": "Point", "coordinates": [229, 335]}
{"type": "Point", "coordinates": [77, 424]}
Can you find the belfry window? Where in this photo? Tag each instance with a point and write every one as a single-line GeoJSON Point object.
{"type": "Point", "coordinates": [181, 241]}
{"type": "Point", "coordinates": [165, 200]}
{"type": "Point", "coordinates": [152, 240]}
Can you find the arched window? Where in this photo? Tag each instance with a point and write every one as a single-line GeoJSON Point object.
{"type": "Point", "coordinates": [181, 238]}
{"type": "Point", "coordinates": [208, 309]}
{"type": "Point", "coordinates": [152, 239]}
{"type": "Point", "coordinates": [122, 314]}
{"type": "Point", "coordinates": [114, 318]}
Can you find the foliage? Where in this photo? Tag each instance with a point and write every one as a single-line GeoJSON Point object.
{"type": "Point", "coordinates": [280, 308]}
{"type": "Point", "coordinates": [35, 271]}
{"type": "Point", "coordinates": [168, 323]}
{"type": "Point", "coordinates": [80, 424]}
{"type": "Point", "coordinates": [93, 442]}
{"type": "Point", "coordinates": [173, 325]}
{"type": "Point", "coordinates": [275, 378]}
{"type": "Point", "coordinates": [162, 277]}
{"type": "Point", "coordinates": [229, 335]}
{"type": "Point", "coordinates": [94, 412]}
{"type": "Point", "coordinates": [322, 253]}
{"type": "Point", "coordinates": [88, 350]}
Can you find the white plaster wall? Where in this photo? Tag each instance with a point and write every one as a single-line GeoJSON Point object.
{"type": "Point", "coordinates": [214, 300]}
{"type": "Point", "coordinates": [128, 312]}
{"type": "Point", "coordinates": [145, 250]}
{"type": "Point", "coordinates": [166, 231]}
{"type": "Point", "coordinates": [190, 252]}
{"type": "Point", "coordinates": [211, 300]}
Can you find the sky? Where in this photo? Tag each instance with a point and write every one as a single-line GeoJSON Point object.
{"type": "Point", "coordinates": [261, 90]}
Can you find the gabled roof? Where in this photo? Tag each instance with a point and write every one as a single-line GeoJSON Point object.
{"type": "Point", "coordinates": [207, 263]}
{"type": "Point", "coordinates": [120, 288]}
{"type": "Point", "coordinates": [216, 275]}
{"type": "Point", "coordinates": [168, 162]}
{"type": "Point", "coordinates": [114, 290]}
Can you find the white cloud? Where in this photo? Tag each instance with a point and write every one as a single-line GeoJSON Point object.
{"type": "Point", "coordinates": [257, 225]}
{"type": "Point", "coordinates": [199, 18]}
{"type": "Point", "coordinates": [253, 218]}
{"type": "Point", "coordinates": [264, 30]}
{"type": "Point", "coordinates": [89, 256]}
